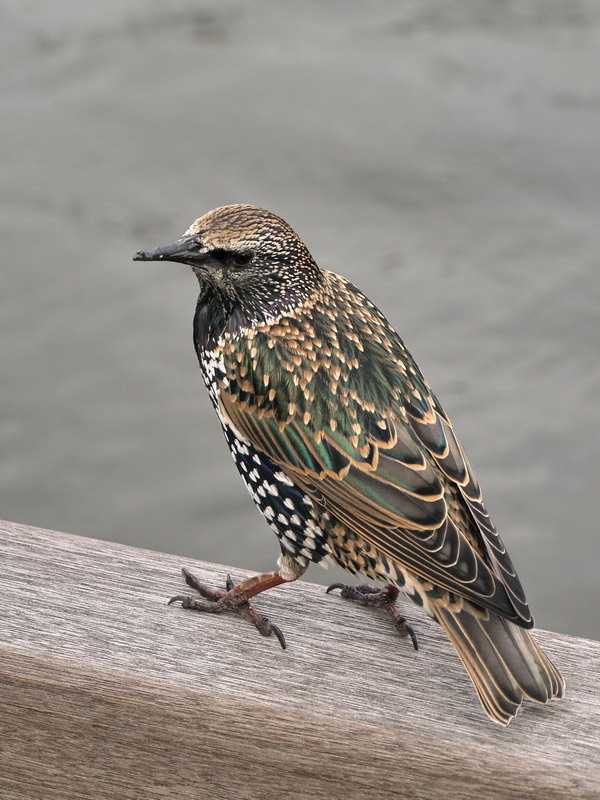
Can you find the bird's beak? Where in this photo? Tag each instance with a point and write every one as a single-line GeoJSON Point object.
{"type": "Point", "coordinates": [187, 250]}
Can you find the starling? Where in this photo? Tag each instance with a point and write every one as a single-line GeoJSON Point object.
{"type": "Point", "coordinates": [347, 453]}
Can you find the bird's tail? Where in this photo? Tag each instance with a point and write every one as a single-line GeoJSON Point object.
{"type": "Point", "coordinates": [503, 661]}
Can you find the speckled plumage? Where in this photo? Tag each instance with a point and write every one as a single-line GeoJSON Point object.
{"type": "Point", "coordinates": [344, 448]}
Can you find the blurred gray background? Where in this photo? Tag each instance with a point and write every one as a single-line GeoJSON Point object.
{"type": "Point", "coordinates": [445, 157]}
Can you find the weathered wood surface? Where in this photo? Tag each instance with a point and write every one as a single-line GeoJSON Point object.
{"type": "Point", "coordinates": [108, 693]}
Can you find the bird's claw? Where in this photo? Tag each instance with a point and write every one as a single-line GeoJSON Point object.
{"type": "Point", "coordinates": [406, 629]}
{"type": "Point", "coordinates": [182, 598]}
{"type": "Point", "coordinates": [359, 593]}
{"type": "Point", "coordinates": [217, 601]}
{"type": "Point", "coordinates": [266, 628]}
{"type": "Point", "coordinates": [379, 597]}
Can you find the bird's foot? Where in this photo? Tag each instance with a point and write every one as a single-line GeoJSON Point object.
{"type": "Point", "coordinates": [380, 597]}
{"type": "Point", "coordinates": [235, 598]}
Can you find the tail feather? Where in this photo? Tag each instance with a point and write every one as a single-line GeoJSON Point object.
{"type": "Point", "coordinates": [495, 703]}
{"type": "Point", "coordinates": [503, 661]}
{"type": "Point", "coordinates": [557, 681]}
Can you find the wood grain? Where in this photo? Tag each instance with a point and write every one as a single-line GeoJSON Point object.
{"type": "Point", "coordinates": [107, 692]}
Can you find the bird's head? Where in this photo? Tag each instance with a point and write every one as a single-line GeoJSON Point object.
{"type": "Point", "coordinates": [247, 258]}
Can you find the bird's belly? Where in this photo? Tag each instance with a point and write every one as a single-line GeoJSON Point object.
{"type": "Point", "coordinates": [286, 508]}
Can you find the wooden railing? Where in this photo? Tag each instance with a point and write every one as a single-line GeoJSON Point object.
{"type": "Point", "coordinates": [107, 693]}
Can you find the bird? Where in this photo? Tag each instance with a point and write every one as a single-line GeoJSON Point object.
{"type": "Point", "coordinates": [348, 454]}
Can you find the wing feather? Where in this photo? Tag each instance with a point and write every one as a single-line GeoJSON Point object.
{"type": "Point", "coordinates": [395, 495]}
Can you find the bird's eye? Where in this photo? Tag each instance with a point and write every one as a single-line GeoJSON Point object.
{"type": "Point", "coordinates": [243, 258]}
{"type": "Point", "coordinates": [219, 254]}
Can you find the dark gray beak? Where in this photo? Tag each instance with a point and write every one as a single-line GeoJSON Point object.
{"type": "Point", "coordinates": [187, 250]}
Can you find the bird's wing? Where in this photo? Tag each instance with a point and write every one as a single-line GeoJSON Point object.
{"type": "Point", "coordinates": [403, 483]}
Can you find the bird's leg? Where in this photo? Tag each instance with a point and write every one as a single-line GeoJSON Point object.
{"type": "Point", "coordinates": [380, 597]}
{"type": "Point", "coordinates": [235, 598]}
